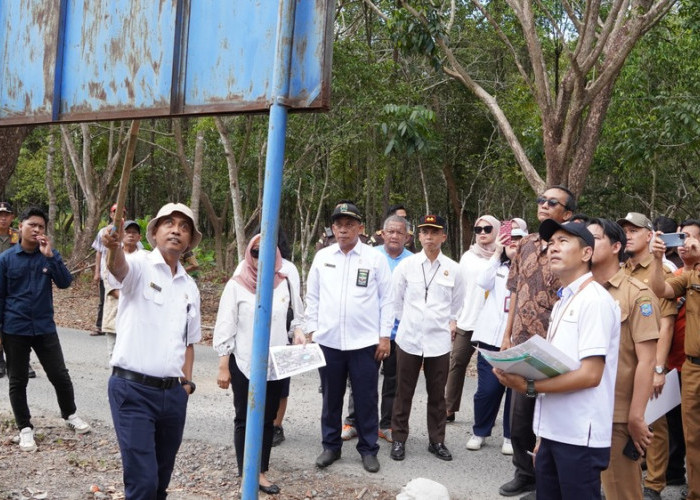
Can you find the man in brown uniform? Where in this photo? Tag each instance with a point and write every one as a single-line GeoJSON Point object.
{"type": "Point", "coordinates": [533, 294]}
{"type": "Point", "coordinates": [688, 285]}
{"type": "Point", "coordinates": [639, 232]}
{"type": "Point", "coordinates": [639, 312]}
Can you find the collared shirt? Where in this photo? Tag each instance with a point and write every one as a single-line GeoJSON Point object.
{"type": "Point", "coordinates": [584, 323]}
{"type": "Point", "coordinates": [535, 287]}
{"type": "Point", "coordinates": [158, 316]}
{"type": "Point", "coordinates": [639, 316]}
{"type": "Point", "coordinates": [688, 285]}
{"type": "Point", "coordinates": [470, 266]}
{"type": "Point", "coordinates": [349, 301]}
{"type": "Point", "coordinates": [233, 333]}
{"type": "Point", "coordinates": [642, 272]}
{"type": "Point", "coordinates": [493, 317]}
{"type": "Point", "coordinates": [26, 296]}
{"type": "Point", "coordinates": [393, 261]}
{"type": "Point", "coordinates": [427, 295]}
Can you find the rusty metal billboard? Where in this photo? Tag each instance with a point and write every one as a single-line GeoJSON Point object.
{"type": "Point", "coordinates": [83, 60]}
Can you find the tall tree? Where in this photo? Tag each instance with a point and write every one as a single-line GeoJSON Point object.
{"type": "Point", "coordinates": [11, 139]}
{"type": "Point", "coordinates": [571, 96]}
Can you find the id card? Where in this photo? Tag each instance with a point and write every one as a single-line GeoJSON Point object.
{"type": "Point", "coordinates": [362, 278]}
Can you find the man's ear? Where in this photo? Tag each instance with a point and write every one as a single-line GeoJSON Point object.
{"type": "Point", "coordinates": [617, 247]}
{"type": "Point", "coordinates": [587, 254]}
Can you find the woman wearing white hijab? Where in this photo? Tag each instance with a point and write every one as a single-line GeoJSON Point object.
{"type": "Point", "coordinates": [471, 264]}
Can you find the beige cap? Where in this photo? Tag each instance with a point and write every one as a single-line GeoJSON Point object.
{"type": "Point", "coordinates": [166, 210]}
{"type": "Point", "coordinates": [636, 219]}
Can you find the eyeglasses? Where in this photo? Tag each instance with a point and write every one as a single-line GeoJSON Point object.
{"type": "Point", "coordinates": [552, 202]}
{"type": "Point", "coordinates": [485, 229]}
{"type": "Point", "coordinates": [255, 253]}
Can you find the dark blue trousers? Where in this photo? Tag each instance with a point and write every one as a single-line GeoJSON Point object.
{"type": "Point", "coordinates": [360, 366]}
{"type": "Point", "coordinates": [487, 398]}
{"type": "Point", "coordinates": [566, 471]}
{"type": "Point", "coordinates": [149, 423]}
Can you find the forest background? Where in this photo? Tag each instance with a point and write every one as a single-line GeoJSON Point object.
{"type": "Point", "coordinates": [453, 107]}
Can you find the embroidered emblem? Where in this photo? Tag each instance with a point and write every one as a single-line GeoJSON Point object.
{"type": "Point", "coordinates": [646, 309]}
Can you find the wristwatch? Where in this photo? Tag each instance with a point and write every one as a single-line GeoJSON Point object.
{"type": "Point", "coordinates": [531, 392]}
{"type": "Point", "coordinates": [659, 369]}
{"type": "Point", "coordinates": [193, 386]}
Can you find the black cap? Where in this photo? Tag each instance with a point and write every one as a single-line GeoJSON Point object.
{"type": "Point", "coordinates": [346, 210]}
{"type": "Point", "coordinates": [6, 207]}
{"type": "Point", "coordinates": [550, 226]}
{"type": "Point", "coordinates": [130, 223]}
{"type": "Point", "coordinates": [432, 221]}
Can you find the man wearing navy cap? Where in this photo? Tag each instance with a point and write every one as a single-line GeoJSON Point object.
{"type": "Point", "coordinates": [428, 295]}
{"type": "Point", "coordinates": [349, 314]}
{"type": "Point", "coordinates": [574, 411]}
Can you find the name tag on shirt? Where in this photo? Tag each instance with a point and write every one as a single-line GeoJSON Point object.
{"type": "Point", "coordinates": [362, 277]}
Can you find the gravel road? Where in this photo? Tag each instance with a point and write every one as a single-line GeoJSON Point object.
{"type": "Point", "coordinates": [471, 475]}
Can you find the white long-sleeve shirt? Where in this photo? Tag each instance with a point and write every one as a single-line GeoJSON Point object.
{"type": "Point", "coordinates": [492, 319]}
{"type": "Point", "coordinates": [424, 328]}
{"type": "Point", "coordinates": [233, 332]}
{"type": "Point", "coordinates": [474, 296]}
{"type": "Point", "coordinates": [348, 298]}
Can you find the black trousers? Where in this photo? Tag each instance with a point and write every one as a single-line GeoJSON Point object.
{"type": "Point", "coordinates": [48, 349]}
{"type": "Point", "coordinates": [521, 435]}
{"type": "Point", "coordinates": [239, 384]}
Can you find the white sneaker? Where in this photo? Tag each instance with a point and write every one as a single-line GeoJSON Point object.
{"type": "Point", "coordinates": [475, 443]}
{"type": "Point", "coordinates": [26, 439]}
{"type": "Point", "coordinates": [78, 424]}
{"type": "Point", "coordinates": [507, 448]}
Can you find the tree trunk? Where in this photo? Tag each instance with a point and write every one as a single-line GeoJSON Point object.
{"type": "Point", "coordinates": [11, 139]}
{"type": "Point", "coordinates": [197, 174]}
{"type": "Point", "coordinates": [50, 188]}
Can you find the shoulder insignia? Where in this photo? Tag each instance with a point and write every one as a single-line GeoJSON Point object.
{"type": "Point", "coordinates": [646, 309]}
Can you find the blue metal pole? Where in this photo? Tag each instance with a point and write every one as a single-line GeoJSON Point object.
{"type": "Point", "coordinates": [272, 190]}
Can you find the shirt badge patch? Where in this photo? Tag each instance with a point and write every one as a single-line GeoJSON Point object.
{"type": "Point", "coordinates": [646, 309]}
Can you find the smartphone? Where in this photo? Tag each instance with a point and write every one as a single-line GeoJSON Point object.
{"type": "Point", "coordinates": [673, 239]}
{"type": "Point", "coordinates": [630, 450]}
{"type": "Point", "coordinates": [506, 228]}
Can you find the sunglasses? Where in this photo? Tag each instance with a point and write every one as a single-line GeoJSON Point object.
{"type": "Point", "coordinates": [485, 229]}
{"type": "Point", "coordinates": [552, 202]}
{"type": "Point", "coordinates": [255, 252]}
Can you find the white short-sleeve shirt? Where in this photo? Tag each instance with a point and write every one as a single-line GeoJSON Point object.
{"type": "Point", "coordinates": [584, 322]}
{"type": "Point", "coordinates": [158, 316]}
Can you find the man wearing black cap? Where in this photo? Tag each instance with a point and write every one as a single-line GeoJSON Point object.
{"type": "Point", "coordinates": [574, 411]}
{"type": "Point", "coordinates": [428, 295]}
{"type": "Point", "coordinates": [349, 313]}
{"type": "Point", "coordinates": [533, 290]}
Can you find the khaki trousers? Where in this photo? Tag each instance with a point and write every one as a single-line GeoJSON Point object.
{"type": "Point", "coordinates": [657, 456]}
{"type": "Point", "coordinates": [690, 409]}
{"type": "Point", "coordinates": [622, 480]}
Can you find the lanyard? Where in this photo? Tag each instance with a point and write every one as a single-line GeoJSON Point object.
{"type": "Point", "coordinates": [427, 283]}
{"type": "Point", "coordinates": [553, 331]}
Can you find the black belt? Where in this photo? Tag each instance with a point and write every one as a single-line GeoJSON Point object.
{"type": "Point", "coordinates": [694, 360]}
{"type": "Point", "coordinates": [157, 382]}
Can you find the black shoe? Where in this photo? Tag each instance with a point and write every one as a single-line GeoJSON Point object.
{"type": "Point", "coordinates": [277, 435]}
{"type": "Point", "coordinates": [30, 372]}
{"type": "Point", "coordinates": [370, 463]}
{"type": "Point", "coordinates": [398, 450]}
{"type": "Point", "coordinates": [327, 457]}
{"type": "Point", "coordinates": [675, 481]}
{"type": "Point", "coordinates": [451, 417]}
{"type": "Point", "coordinates": [273, 489]}
{"type": "Point", "coordinates": [516, 486]}
{"type": "Point", "coordinates": [440, 451]}
{"type": "Point", "coordinates": [3, 369]}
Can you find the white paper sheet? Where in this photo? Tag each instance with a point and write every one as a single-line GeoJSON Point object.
{"type": "Point", "coordinates": [291, 360]}
{"type": "Point", "coordinates": [669, 398]}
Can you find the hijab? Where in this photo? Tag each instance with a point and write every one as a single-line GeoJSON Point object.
{"type": "Point", "coordinates": [486, 252]}
{"type": "Point", "coordinates": [248, 277]}
{"type": "Point", "coordinates": [522, 225]}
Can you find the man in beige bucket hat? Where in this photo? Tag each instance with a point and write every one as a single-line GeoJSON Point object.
{"type": "Point", "coordinates": [157, 324]}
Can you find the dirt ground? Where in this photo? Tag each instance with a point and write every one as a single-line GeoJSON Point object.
{"type": "Point", "coordinates": [68, 466]}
